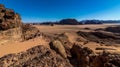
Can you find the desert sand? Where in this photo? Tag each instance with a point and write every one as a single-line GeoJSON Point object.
{"type": "Point", "coordinates": [16, 47]}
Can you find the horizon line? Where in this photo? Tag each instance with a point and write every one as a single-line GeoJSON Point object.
{"type": "Point", "coordinates": [70, 18]}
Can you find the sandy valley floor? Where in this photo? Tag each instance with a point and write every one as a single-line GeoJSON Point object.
{"type": "Point", "coordinates": [15, 47]}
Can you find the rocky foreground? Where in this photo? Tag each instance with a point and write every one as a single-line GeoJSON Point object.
{"type": "Point", "coordinates": [41, 56]}
{"type": "Point", "coordinates": [62, 53]}
{"type": "Point", "coordinates": [61, 50]}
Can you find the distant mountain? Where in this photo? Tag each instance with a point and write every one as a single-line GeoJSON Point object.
{"type": "Point", "coordinates": [69, 22]}
{"type": "Point", "coordinates": [91, 22]}
{"type": "Point", "coordinates": [99, 21]}
{"type": "Point", "coordinates": [75, 22]}
{"type": "Point", "coordinates": [111, 21]}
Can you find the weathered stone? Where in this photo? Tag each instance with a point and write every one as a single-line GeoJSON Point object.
{"type": "Point", "coordinates": [38, 56]}
{"type": "Point", "coordinates": [81, 54]}
{"type": "Point", "coordinates": [58, 47]}
{"type": "Point", "coordinates": [9, 19]}
{"type": "Point", "coordinates": [64, 39]}
{"type": "Point", "coordinates": [29, 32]}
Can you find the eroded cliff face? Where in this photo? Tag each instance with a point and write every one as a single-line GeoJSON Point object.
{"type": "Point", "coordinates": [10, 25]}
{"type": "Point", "coordinates": [10, 35]}
{"type": "Point", "coordinates": [85, 57]}
{"type": "Point", "coordinates": [12, 28]}
{"type": "Point", "coordinates": [8, 18]}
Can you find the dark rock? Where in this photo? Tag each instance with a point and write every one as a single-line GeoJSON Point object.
{"type": "Point", "coordinates": [69, 22]}
{"type": "Point", "coordinates": [38, 56]}
{"type": "Point", "coordinates": [81, 54]}
{"type": "Point", "coordinates": [115, 29]}
{"type": "Point", "coordinates": [100, 37]}
{"type": "Point", "coordinates": [30, 32]}
{"type": "Point", "coordinates": [9, 19]}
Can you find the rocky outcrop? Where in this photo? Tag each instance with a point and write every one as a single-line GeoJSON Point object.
{"type": "Point", "coordinates": [100, 37]}
{"type": "Point", "coordinates": [9, 19]}
{"type": "Point", "coordinates": [105, 59]}
{"type": "Point", "coordinates": [63, 38]}
{"type": "Point", "coordinates": [115, 29]}
{"type": "Point", "coordinates": [41, 56]}
{"type": "Point", "coordinates": [81, 55]}
{"type": "Point", "coordinates": [38, 56]}
{"type": "Point", "coordinates": [58, 47]}
{"type": "Point", "coordinates": [10, 35]}
{"type": "Point", "coordinates": [85, 57]}
{"type": "Point", "coordinates": [10, 25]}
{"type": "Point", "coordinates": [29, 32]}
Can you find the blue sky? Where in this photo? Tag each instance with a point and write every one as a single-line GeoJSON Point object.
{"type": "Point", "coordinates": [55, 10]}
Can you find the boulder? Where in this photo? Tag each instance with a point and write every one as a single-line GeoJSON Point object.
{"type": "Point", "coordinates": [64, 39]}
{"type": "Point", "coordinates": [81, 54]}
{"type": "Point", "coordinates": [58, 47]}
{"type": "Point", "coordinates": [29, 32]}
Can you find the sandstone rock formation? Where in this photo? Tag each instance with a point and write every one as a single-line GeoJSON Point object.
{"type": "Point", "coordinates": [38, 56]}
{"type": "Point", "coordinates": [29, 32]}
{"type": "Point", "coordinates": [10, 25]}
{"type": "Point", "coordinates": [58, 47]}
{"type": "Point", "coordinates": [12, 28]}
{"type": "Point", "coordinates": [9, 19]}
{"type": "Point", "coordinates": [100, 37]}
{"type": "Point", "coordinates": [85, 57]}
{"type": "Point", "coordinates": [41, 56]}
{"type": "Point", "coordinates": [105, 59]}
{"type": "Point", "coordinates": [63, 38]}
{"type": "Point", "coordinates": [81, 55]}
